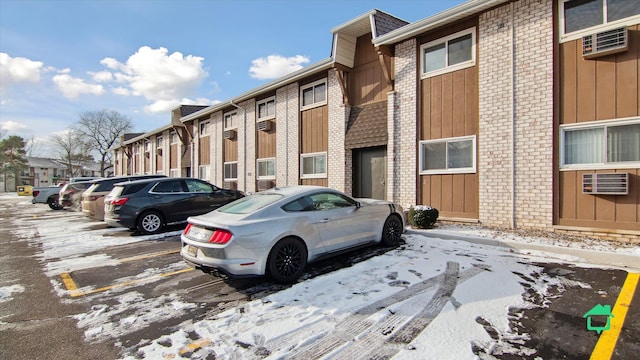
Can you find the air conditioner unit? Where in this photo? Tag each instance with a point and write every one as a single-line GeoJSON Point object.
{"type": "Point", "coordinates": [231, 185]}
{"type": "Point", "coordinates": [230, 134]}
{"type": "Point", "coordinates": [605, 183]}
{"type": "Point", "coordinates": [605, 43]}
{"type": "Point", "coordinates": [159, 152]}
{"type": "Point", "coordinates": [264, 125]}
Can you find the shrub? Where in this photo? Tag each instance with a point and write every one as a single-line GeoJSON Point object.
{"type": "Point", "coordinates": [423, 217]}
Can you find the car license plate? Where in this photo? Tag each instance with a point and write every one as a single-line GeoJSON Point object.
{"type": "Point", "coordinates": [192, 250]}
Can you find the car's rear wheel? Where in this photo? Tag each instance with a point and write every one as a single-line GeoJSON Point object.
{"type": "Point", "coordinates": [150, 222]}
{"type": "Point", "coordinates": [287, 260]}
{"type": "Point", "coordinates": [392, 231]}
{"type": "Point", "coordinates": [53, 203]}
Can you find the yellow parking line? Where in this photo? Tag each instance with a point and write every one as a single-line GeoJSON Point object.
{"type": "Point", "coordinates": [148, 256]}
{"type": "Point", "coordinates": [607, 341]}
{"type": "Point", "coordinates": [74, 292]}
{"type": "Point", "coordinates": [194, 346]}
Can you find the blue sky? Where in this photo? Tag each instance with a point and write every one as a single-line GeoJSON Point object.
{"type": "Point", "coordinates": [144, 57]}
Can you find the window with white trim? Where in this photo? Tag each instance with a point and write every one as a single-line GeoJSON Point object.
{"type": "Point", "coordinates": [448, 156]}
{"type": "Point", "coordinates": [204, 172]}
{"type": "Point", "coordinates": [582, 17]}
{"type": "Point", "coordinates": [451, 53]}
{"type": "Point", "coordinates": [231, 120]}
{"type": "Point", "coordinates": [173, 137]}
{"type": "Point", "coordinates": [159, 142]}
{"type": "Point", "coordinates": [313, 165]}
{"type": "Point", "coordinates": [266, 108]}
{"type": "Point", "coordinates": [205, 127]}
{"type": "Point", "coordinates": [266, 168]}
{"type": "Point", "coordinates": [314, 94]}
{"type": "Point", "coordinates": [231, 171]}
{"type": "Point", "coordinates": [601, 144]}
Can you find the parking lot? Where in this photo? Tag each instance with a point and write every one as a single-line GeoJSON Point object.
{"type": "Point", "coordinates": [109, 293]}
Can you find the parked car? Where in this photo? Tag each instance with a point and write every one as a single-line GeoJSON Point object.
{"type": "Point", "coordinates": [93, 197]}
{"type": "Point", "coordinates": [70, 195]}
{"type": "Point", "coordinates": [47, 195]}
{"type": "Point", "coordinates": [278, 231]}
{"type": "Point", "coordinates": [83, 178]}
{"type": "Point", "coordinates": [150, 205]}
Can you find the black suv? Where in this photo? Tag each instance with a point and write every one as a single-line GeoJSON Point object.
{"type": "Point", "coordinates": [150, 205]}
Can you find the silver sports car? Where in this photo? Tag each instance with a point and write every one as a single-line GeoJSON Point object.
{"type": "Point", "coordinates": [278, 231]}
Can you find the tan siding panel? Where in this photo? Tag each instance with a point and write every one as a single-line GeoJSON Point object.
{"type": "Point", "coordinates": [426, 109]}
{"type": "Point", "coordinates": [266, 143]}
{"type": "Point", "coordinates": [628, 77]}
{"type": "Point", "coordinates": [436, 108]}
{"type": "Point", "coordinates": [230, 150]}
{"type": "Point", "coordinates": [605, 90]}
{"type": "Point", "coordinates": [315, 182]}
{"type": "Point", "coordinates": [471, 99]}
{"type": "Point", "coordinates": [586, 93]}
{"type": "Point", "coordinates": [159, 162]}
{"type": "Point", "coordinates": [204, 150]}
{"type": "Point", "coordinates": [458, 104]}
{"type": "Point", "coordinates": [447, 105]}
{"type": "Point", "coordinates": [567, 208]}
{"type": "Point", "coordinates": [568, 82]}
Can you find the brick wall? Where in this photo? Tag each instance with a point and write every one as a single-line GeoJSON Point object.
{"type": "Point", "coordinates": [401, 167]}
{"type": "Point", "coordinates": [531, 111]}
{"type": "Point", "coordinates": [338, 117]}
{"type": "Point", "coordinates": [287, 142]}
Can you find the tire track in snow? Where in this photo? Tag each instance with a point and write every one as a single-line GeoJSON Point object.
{"type": "Point", "coordinates": [315, 341]}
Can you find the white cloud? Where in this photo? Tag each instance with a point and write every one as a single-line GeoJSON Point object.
{"type": "Point", "coordinates": [275, 66]}
{"type": "Point", "coordinates": [101, 76]}
{"type": "Point", "coordinates": [72, 87]}
{"type": "Point", "coordinates": [158, 76]}
{"type": "Point", "coordinates": [121, 91]}
{"type": "Point", "coordinates": [15, 70]}
{"type": "Point", "coordinates": [12, 126]}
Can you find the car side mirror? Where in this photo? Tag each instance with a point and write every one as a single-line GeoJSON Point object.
{"type": "Point", "coordinates": [358, 205]}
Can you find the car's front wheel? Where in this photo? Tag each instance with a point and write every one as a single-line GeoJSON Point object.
{"type": "Point", "coordinates": [150, 222]}
{"type": "Point", "coordinates": [392, 231]}
{"type": "Point", "coordinates": [287, 260]}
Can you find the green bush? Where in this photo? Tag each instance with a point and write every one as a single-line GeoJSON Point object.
{"type": "Point", "coordinates": [422, 217]}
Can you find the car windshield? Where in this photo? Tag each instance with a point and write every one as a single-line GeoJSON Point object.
{"type": "Point", "coordinates": [250, 203]}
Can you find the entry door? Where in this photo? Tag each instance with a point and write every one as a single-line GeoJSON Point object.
{"type": "Point", "coordinates": [370, 173]}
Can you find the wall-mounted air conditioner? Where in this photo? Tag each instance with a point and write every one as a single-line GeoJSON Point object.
{"type": "Point", "coordinates": [159, 152]}
{"type": "Point", "coordinates": [605, 43]}
{"type": "Point", "coordinates": [231, 185]}
{"type": "Point", "coordinates": [230, 134]}
{"type": "Point", "coordinates": [264, 125]}
{"type": "Point", "coordinates": [605, 183]}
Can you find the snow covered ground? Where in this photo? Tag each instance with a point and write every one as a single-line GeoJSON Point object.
{"type": "Point", "coordinates": [428, 299]}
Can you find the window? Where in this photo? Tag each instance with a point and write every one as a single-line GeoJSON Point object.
{"type": "Point", "coordinates": [204, 128]}
{"type": "Point", "coordinates": [266, 168]}
{"type": "Point", "coordinates": [230, 171]}
{"type": "Point", "coordinates": [580, 17]}
{"type": "Point", "coordinates": [198, 186]}
{"type": "Point", "coordinates": [173, 136]}
{"type": "Point", "coordinates": [448, 156]}
{"type": "Point", "coordinates": [172, 186]}
{"type": "Point", "coordinates": [313, 165]}
{"type": "Point", "coordinates": [319, 202]}
{"type": "Point", "coordinates": [448, 54]}
{"type": "Point", "coordinates": [267, 108]}
{"type": "Point", "coordinates": [204, 172]}
{"type": "Point", "coordinates": [159, 142]}
{"type": "Point", "coordinates": [314, 94]}
{"type": "Point", "coordinates": [147, 146]}
{"type": "Point", "coordinates": [601, 145]}
{"type": "Point", "coordinates": [230, 120]}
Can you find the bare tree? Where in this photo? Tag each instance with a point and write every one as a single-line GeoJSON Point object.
{"type": "Point", "coordinates": [72, 150]}
{"type": "Point", "coordinates": [32, 147]}
{"type": "Point", "coordinates": [102, 129]}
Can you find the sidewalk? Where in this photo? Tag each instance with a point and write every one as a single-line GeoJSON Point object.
{"type": "Point", "coordinates": [589, 251]}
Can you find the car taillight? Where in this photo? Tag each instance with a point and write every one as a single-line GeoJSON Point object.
{"type": "Point", "coordinates": [119, 201]}
{"type": "Point", "coordinates": [186, 230]}
{"type": "Point", "coordinates": [35, 193]}
{"type": "Point", "coordinates": [220, 237]}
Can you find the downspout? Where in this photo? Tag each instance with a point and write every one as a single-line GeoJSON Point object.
{"type": "Point", "coordinates": [244, 173]}
{"type": "Point", "coordinates": [513, 119]}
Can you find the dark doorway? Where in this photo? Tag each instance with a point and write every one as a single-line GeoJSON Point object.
{"type": "Point", "coordinates": [370, 173]}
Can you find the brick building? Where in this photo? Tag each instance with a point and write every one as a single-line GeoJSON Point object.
{"type": "Point", "coordinates": [488, 111]}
